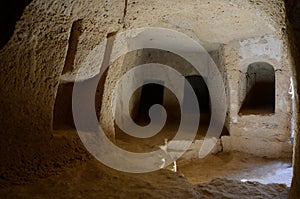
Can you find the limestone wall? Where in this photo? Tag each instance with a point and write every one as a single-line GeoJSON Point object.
{"type": "Point", "coordinates": [263, 135]}
{"type": "Point", "coordinates": [30, 69]}
{"type": "Point", "coordinates": [294, 39]}
{"type": "Point", "coordinates": [56, 37]}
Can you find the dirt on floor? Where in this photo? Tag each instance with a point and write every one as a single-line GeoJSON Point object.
{"type": "Point", "coordinates": [94, 180]}
{"type": "Point", "coordinates": [237, 166]}
{"type": "Point", "coordinates": [221, 175]}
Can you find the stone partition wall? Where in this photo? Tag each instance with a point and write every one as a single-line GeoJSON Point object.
{"type": "Point", "coordinates": [260, 134]}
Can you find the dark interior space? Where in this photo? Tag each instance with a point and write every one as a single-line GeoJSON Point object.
{"type": "Point", "coordinates": [260, 88]}
{"type": "Point", "coordinates": [200, 88]}
{"type": "Point", "coordinates": [154, 94]}
{"type": "Point", "coordinates": [10, 13]}
{"type": "Point", "coordinates": [62, 116]}
{"type": "Point", "coordinates": [151, 94]}
{"type": "Point", "coordinates": [202, 93]}
{"type": "Point", "coordinates": [34, 163]}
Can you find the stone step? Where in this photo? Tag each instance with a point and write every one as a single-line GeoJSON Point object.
{"type": "Point", "coordinates": [198, 148]}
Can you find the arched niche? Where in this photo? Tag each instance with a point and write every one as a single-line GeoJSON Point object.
{"type": "Point", "coordinates": [259, 90]}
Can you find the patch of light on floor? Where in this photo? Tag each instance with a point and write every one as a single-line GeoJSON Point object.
{"type": "Point", "coordinates": [282, 174]}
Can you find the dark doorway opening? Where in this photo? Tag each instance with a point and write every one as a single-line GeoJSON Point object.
{"type": "Point", "coordinates": [151, 94]}
{"type": "Point", "coordinates": [200, 88]}
{"type": "Point", "coordinates": [147, 96]}
{"type": "Point", "coordinates": [260, 90]}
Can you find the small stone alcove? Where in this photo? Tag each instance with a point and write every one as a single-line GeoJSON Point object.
{"type": "Point", "coordinates": [260, 90]}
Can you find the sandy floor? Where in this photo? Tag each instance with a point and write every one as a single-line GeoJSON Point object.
{"type": "Point", "coordinates": [236, 166]}
{"type": "Point", "coordinates": [196, 178]}
{"type": "Point", "coordinates": [93, 180]}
